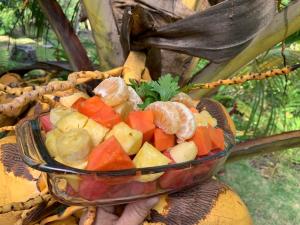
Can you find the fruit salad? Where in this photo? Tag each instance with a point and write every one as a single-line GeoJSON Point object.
{"type": "Point", "coordinates": [119, 129]}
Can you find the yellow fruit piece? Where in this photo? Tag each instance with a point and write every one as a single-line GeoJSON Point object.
{"type": "Point", "coordinates": [50, 142]}
{"type": "Point", "coordinates": [96, 131]}
{"type": "Point", "coordinates": [149, 156]}
{"type": "Point", "coordinates": [184, 152]}
{"type": "Point", "coordinates": [71, 121]}
{"type": "Point", "coordinates": [124, 109]}
{"type": "Point", "coordinates": [57, 113]}
{"type": "Point", "coordinates": [74, 146]}
{"type": "Point", "coordinates": [130, 139]}
{"type": "Point", "coordinates": [68, 101]}
{"type": "Point", "coordinates": [204, 119]}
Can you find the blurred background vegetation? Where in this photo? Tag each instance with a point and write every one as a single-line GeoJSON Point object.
{"type": "Point", "coordinates": [269, 184]}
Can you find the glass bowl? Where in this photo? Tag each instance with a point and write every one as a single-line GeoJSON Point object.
{"type": "Point", "coordinates": [73, 186]}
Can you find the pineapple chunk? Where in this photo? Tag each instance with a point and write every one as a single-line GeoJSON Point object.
{"type": "Point", "coordinates": [68, 101]}
{"type": "Point", "coordinates": [149, 156]}
{"type": "Point", "coordinates": [96, 131]}
{"type": "Point", "coordinates": [74, 146]}
{"type": "Point", "coordinates": [184, 152]}
{"type": "Point", "coordinates": [50, 142]}
{"type": "Point", "coordinates": [71, 121]}
{"type": "Point", "coordinates": [204, 119]}
{"type": "Point", "coordinates": [57, 113]}
{"type": "Point", "coordinates": [130, 139]}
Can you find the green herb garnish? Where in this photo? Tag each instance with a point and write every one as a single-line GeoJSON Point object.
{"type": "Point", "coordinates": [162, 90]}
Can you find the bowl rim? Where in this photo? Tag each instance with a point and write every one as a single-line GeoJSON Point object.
{"type": "Point", "coordinates": [31, 126]}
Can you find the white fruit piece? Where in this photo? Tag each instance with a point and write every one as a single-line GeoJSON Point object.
{"type": "Point", "coordinates": [134, 98]}
{"type": "Point", "coordinates": [57, 113]}
{"type": "Point", "coordinates": [204, 119]}
{"type": "Point", "coordinates": [68, 101]}
{"type": "Point", "coordinates": [71, 121]}
{"type": "Point", "coordinates": [96, 131]}
{"type": "Point", "coordinates": [130, 139]}
{"type": "Point", "coordinates": [50, 142]}
{"type": "Point", "coordinates": [184, 152]}
{"type": "Point", "coordinates": [80, 164]}
{"type": "Point", "coordinates": [149, 156]}
{"type": "Point", "coordinates": [124, 109]}
{"type": "Point", "coordinates": [74, 146]}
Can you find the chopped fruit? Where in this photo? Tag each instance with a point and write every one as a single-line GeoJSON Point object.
{"type": "Point", "coordinates": [176, 178]}
{"type": "Point", "coordinates": [73, 181]}
{"type": "Point", "coordinates": [163, 141]}
{"type": "Point", "coordinates": [92, 188]}
{"type": "Point", "coordinates": [184, 99]}
{"type": "Point", "coordinates": [50, 142]}
{"type": "Point", "coordinates": [124, 109]}
{"type": "Point", "coordinates": [77, 104]}
{"type": "Point", "coordinates": [166, 116]}
{"type": "Point", "coordinates": [184, 152]}
{"type": "Point", "coordinates": [113, 91]}
{"type": "Point", "coordinates": [71, 121]}
{"type": "Point", "coordinates": [194, 110]}
{"type": "Point", "coordinates": [138, 188]}
{"type": "Point", "coordinates": [142, 121]}
{"type": "Point", "coordinates": [187, 122]}
{"type": "Point", "coordinates": [46, 123]}
{"type": "Point", "coordinates": [57, 113]}
{"type": "Point", "coordinates": [91, 106]}
{"type": "Point", "coordinates": [130, 139]}
{"type": "Point", "coordinates": [109, 155]}
{"type": "Point", "coordinates": [96, 131]}
{"type": "Point", "coordinates": [68, 101]}
{"type": "Point", "coordinates": [102, 113]}
{"type": "Point", "coordinates": [73, 146]}
{"type": "Point", "coordinates": [204, 119]}
{"type": "Point", "coordinates": [149, 156]}
{"type": "Point", "coordinates": [217, 138]}
{"type": "Point", "coordinates": [202, 141]}
{"type": "Point", "coordinates": [134, 98]}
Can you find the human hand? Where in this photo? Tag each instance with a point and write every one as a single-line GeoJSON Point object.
{"type": "Point", "coordinates": [133, 214]}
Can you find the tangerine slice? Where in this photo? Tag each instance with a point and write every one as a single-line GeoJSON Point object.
{"type": "Point", "coordinates": [113, 91]}
{"type": "Point", "coordinates": [187, 122]}
{"type": "Point", "coordinates": [134, 98]}
{"type": "Point", "coordinates": [184, 99]}
{"type": "Point", "coordinates": [166, 116]}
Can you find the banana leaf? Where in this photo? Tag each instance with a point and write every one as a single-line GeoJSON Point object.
{"type": "Point", "coordinates": [217, 34]}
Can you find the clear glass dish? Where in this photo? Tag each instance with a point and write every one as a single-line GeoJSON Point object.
{"type": "Point", "coordinates": [83, 187]}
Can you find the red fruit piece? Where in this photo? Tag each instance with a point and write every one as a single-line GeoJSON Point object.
{"type": "Point", "coordinates": [176, 178]}
{"type": "Point", "coordinates": [139, 188]}
{"type": "Point", "coordinates": [163, 141]}
{"type": "Point", "coordinates": [45, 123]}
{"type": "Point", "coordinates": [97, 110]}
{"type": "Point", "coordinates": [76, 105]}
{"type": "Point", "coordinates": [142, 121]}
{"type": "Point", "coordinates": [202, 140]}
{"type": "Point", "coordinates": [91, 188]}
{"type": "Point", "coordinates": [217, 138]}
{"type": "Point", "coordinates": [109, 155]}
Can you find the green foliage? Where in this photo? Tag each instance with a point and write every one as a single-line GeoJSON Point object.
{"type": "Point", "coordinates": [265, 107]}
{"type": "Point", "coordinates": [162, 90]}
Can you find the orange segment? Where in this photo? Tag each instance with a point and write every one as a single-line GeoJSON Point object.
{"type": "Point", "coordinates": [113, 91]}
{"type": "Point", "coordinates": [184, 99]}
{"type": "Point", "coordinates": [166, 116]}
{"type": "Point", "coordinates": [187, 122]}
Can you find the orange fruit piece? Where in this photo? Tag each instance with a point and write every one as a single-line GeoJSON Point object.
{"type": "Point", "coordinates": [184, 99]}
{"type": "Point", "coordinates": [187, 122]}
{"type": "Point", "coordinates": [134, 98]}
{"type": "Point", "coordinates": [113, 91]}
{"type": "Point", "coordinates": [163, 141]}
{"type": "Point", "coordinates": [166, 116]}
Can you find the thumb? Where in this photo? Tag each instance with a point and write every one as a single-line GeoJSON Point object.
{"type": "Point", "coordinates": [135, 213]}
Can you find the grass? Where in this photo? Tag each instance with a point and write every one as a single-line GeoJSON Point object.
{"type": "Point", "coordinates": [269, 185]}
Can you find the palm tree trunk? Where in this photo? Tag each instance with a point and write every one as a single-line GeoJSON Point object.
{"type": "Point", "coordinates": [66, 35]}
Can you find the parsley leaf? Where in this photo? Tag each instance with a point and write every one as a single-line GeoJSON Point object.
{"type": "Point", "coordinates": [162, 90]}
